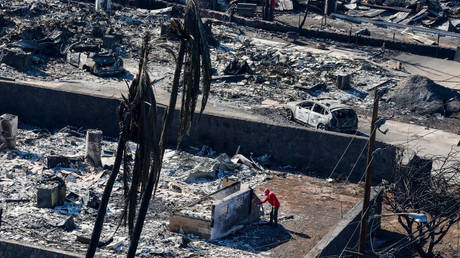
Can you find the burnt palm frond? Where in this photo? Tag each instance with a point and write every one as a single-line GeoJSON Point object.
{"type": "Point", "coordinates": [143, 129]}
{"type": "Point", "coordinates": [197, 63]}
{"type": "Point", "coordinates": [194, 50]}
{"type": "Point", "coordinates": [139, 122]}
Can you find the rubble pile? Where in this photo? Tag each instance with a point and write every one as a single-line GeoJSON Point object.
{"type": "Point", "coordinates": [255, 70]}
{"type": "Point", "coordinates": [47, 39]}
{"type": "Point", "coordinates": [422, 96]}
{"type": "Point", "coordinates": [202, 210]}
{"type": "Point", "coordinates": [280, 72]}
{"type": "Point", "coordinates": [24, 172]}
{"type": "Point", "coordinates": [440, 14]}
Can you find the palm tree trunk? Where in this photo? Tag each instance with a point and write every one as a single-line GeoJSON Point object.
{"type": "Point", "coordinates": [107, 191]}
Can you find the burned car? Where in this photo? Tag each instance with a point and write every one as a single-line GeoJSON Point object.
{"type": "Point", "coordinates": [324, 114]}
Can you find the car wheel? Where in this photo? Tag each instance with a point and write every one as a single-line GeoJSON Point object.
{"type": "Point", "coordinates": [290, 115]}
{"type": "Point", "coordinates": [321, 127]}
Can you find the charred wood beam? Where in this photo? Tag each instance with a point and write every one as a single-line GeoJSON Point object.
{"type": "Point", "coordinates": [390, 8]}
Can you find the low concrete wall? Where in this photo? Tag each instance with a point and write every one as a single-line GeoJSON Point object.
{"type": "Point", "coordinates": [298, 146]}
{"type": "Point", "coordinates": [302, 147]}
{"type": "Point", "coordinates": [55, 109]}
{"type": "Point", "coordinates": [226, 191]}
{"type": "Point", "coordinates": [13, 249]}
{"type": "Point", "coordinates": [233, 211]}
{"type": "Point", "coordinates": [181, 223]}
{"type": "Point", "coordinates": [345, 233]}
{"type": "Point", "coordinates": [233, 208]}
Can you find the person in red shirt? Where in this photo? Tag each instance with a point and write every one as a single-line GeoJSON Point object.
{"type": "Point", "coordinates": [271, 198]}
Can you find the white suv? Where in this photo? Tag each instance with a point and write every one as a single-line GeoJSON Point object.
{"type": "Point", "coordinates": [324, 114]}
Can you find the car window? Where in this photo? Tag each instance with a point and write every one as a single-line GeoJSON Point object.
{"type": "Point", "coordinates": [344, 113]}
{"type": "Point", "coordinates": [318, 109]}
{"type": "Point", "coordinates": [307, 105]}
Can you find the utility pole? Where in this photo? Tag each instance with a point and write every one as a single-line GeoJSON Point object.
{"type": "Point", "coordinates": [369, 172]}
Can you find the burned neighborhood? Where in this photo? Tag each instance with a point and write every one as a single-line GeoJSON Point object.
{"type": "Point", "coordinates": [218, 128]}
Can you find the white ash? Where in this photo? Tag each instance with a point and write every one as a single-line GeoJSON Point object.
{"type": "Point", "coordinates": [23, 221]}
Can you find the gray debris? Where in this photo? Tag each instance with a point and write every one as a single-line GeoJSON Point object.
{"type": "Point", "coordinates": [363, 32]}
{"type": "Point", "coordinates": [16, 58]}
{"type": "Point", "coordinates": [23, 168]}
{"type": "Point", "coordinates": [91, 200]}
{"type": "Point", "coordinates": [422, 96]}
{"type": "Point", "coordinates": [68, 225]}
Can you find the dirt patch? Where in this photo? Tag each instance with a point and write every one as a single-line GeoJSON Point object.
{"type": "Point", "coordinates": [310, 207]}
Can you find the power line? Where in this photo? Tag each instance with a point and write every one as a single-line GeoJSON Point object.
{"type": "Point", "coordinates": [416, 238]}
{"type": "Point", "coordinates": [357, 160]}
{"type": "Point", "coordinates": [357, 226]}
{"type": "Point", "coordinates": [343, 154]}
{"type": "Point", "coordinates": [351, 237]}
{"type": "Point", "coordinates": [415, 139]}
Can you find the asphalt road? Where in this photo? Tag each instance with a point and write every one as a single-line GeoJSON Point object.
{"type": "Point", "coordinates": [426, 142]}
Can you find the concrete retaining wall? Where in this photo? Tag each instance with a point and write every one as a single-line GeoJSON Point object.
{"type": "Point", "coordinates": [55, 109]}
{"type": "Point", "coordinates": [298, 146]}
{"type": "Point", "coordinates": [301, 147]}
{"type": "Point", "coordinates": [345, 233]}
{"type": "Point", "coordinates": [13, 249]}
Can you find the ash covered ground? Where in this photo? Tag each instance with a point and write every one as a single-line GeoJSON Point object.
{"type": "Point", "coordinates": [24, 168]}
{"type": "Point", "coordinates": [271, 68]}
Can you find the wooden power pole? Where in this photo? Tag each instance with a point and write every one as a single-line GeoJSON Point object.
{"type": "Point", "coordinates": [369, 172]}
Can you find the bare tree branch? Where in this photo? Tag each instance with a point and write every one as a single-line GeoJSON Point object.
{"type": "Point", "coordinates": [417, 187]}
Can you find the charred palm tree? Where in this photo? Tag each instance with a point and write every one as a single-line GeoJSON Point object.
{"type": "Point", "coordinates": [194, 48]}
{"type": "Point", "coordinates": [138, 117]}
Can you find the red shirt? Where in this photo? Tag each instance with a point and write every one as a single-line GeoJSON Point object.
{"type": "Point", "coordinates": [273, 3]}
{"type": "Point", "coordinates": [271, 198]}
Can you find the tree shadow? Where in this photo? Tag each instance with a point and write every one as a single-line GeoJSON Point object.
{"type": "Point", "coordinates": [392, 243]}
